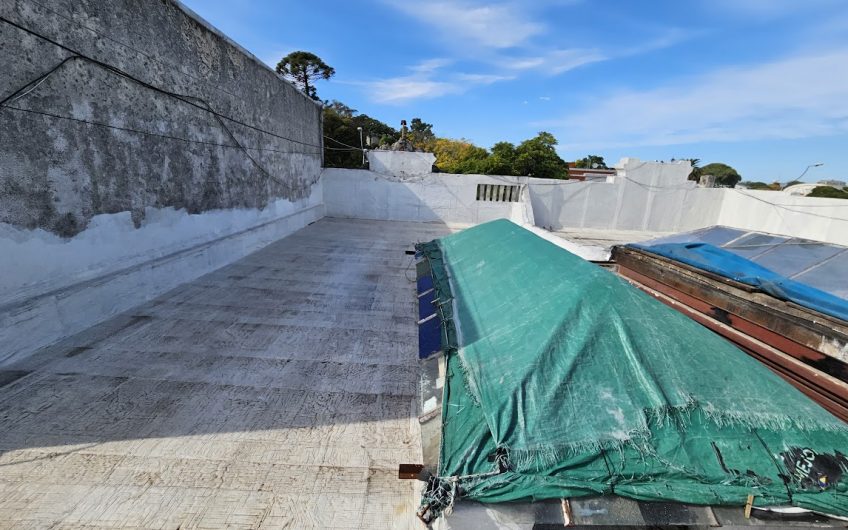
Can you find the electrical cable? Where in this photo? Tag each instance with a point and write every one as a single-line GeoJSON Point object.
{"type": "Point", "coordinates": [804, 212]}
{"type": "Point", "coordinates": [19, 93]}
{"type": "Point", "coordinates": [147, 133]}
{"type": "Point", "coordinates": [204, 105]}
{"type": "Point", "coordinates": [342, 143]}
{"type": "Point", "coordinates": [173, 67]}
{"type": "Point", "coordinates": [121, 73]}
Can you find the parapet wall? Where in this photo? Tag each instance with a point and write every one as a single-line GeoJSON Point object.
{"type": "Point", "coordinates": [156, 150]}
{"type": "Point", "coordinates": [195, 124]}
{"type": "Point", "coordinates": [454, 200]}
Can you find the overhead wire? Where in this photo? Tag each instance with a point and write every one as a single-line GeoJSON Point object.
{"type": "Point", "coordinates": [117, 71]}
{"type": "Point", "coordinates": [203, 105]}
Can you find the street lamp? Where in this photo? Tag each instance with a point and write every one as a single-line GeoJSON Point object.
{"type": "Point", "coordinates": [817, 164]}
{"type": "Point", "coordinates": [361, 145]}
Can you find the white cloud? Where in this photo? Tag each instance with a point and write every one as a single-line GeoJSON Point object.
{"type": "Point", "coordinates": [403, 89]}
{"type": "Point", "coordinates": [430, 65]}
{"type": "Point", "coordinates": [555, 62]}
{"type": "Point", "coordinates": [427, 81]}
{"type": "Point", "coordinates": [800, 96]}
{"type": "Point", "coordinates": [483, 79]}
{"type": "Point", "coordinates": [771, 8]}
{"type": "Point", "coordinates": [502, 25]}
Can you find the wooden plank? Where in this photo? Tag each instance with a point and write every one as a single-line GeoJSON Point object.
{"type": "Point", "coordinates": [828, 391]}
{"type": "Point", "coordinates": [790, 326]}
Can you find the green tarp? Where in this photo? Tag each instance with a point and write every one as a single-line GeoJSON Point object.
{"type": "Point", "coordinates": [563, 381]}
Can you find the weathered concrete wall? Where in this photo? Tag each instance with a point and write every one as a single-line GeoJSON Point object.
{"type": "Point", "coordinates": [57, 172]}
{"type": "Point", "coordinates": [112, 192]}
{"type": "Point", "coordinates": [435, 197]}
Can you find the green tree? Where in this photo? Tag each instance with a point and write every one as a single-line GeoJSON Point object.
{"type": "Point", "coordinates": [591, 162]}
{"type": "Point", "coordinates": [421, 134]}
{"type": "Point", "coordinates": [340, 108]}
{"type": "Point", "coordinates": [341, 147]}
{"type": "Point", "coordinates": [459, 156]}
{"type": "Point", "coordinates": [304, 69]}
{"type": "Point", "coordinates": [791, 183]}
{"type": "Point", "coordinates": [724, 174]}
{"type": "Point", "coordinates": [537, 157]}
{"type": "Point", "coordinates": [757, 185]}
{"type": "Point", "coordinates": [501, 161]}
{"type": "Point", "coordinates": [828, 192]}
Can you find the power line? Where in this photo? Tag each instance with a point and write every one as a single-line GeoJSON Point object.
{"type": "Point", "coordinates": [180, 97]}
{"type": "Point", "coordinates": [783, 207]}
{"type": "Point", "coordinates": [342, 143]}
{"type": "Point", "coordinates": [173, 67]}
{"type": "Point", "coordinates": [148, 133]}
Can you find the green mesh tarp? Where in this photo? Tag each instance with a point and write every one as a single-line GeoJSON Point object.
{"type": "Point", "coordinates": [563, 381]}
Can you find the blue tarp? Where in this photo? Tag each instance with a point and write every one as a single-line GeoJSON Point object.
{"type": "Point", "coordinates": [725, 263]}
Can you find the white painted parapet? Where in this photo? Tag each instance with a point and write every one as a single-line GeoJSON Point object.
{"type": "Point", "coordinates": [433, 197]}
{"type": "Point", "coordinates": [401, 163]}
{"type": "Point", "coordinates": [649, 196]}
{"type": "Point", "coordinates": [52, 288]}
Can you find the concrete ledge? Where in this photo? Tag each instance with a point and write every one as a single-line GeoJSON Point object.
{"type": "Point", "coordinates": [40, 320]}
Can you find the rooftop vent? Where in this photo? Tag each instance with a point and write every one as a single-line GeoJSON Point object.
{"type": "Point", "coordinates": [498, 193]}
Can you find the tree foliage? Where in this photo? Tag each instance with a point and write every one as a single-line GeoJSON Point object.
{"type": "Point", "coordinates": [304, 68]}
{"type": "Point", "coordinates": [458, 156]}
{"type": "Point", "coordinates": [756, 185]}
{"type": "Point", "coordinates": [537, 157]}
{"type": "Point", "coordinates": [828, 192]}
{"type": "Point", "coordinates": [340, 126]}
{"type": "Point", "coordinates": [421, 134]}
{"type": "Point", "coordinates": [724, 174]}
{"type": "Point", "coordinates": [591, 162]}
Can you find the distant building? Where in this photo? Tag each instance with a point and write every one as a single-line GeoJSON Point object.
{"type": "Point", "coordinates": [806, 187]}
{"type": "Point", "coordinates": [800, 189]}
{"type": "Point", "coordinates": [589, 174]}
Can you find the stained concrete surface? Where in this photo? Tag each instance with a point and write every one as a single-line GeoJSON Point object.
{"type": "Point", "coordinates": [278, 391]}
{"type": "Point", "coordinates": [87, 141]}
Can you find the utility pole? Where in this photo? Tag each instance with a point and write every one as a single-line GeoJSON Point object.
{"type": "Point", "coordinates": [361, 145]}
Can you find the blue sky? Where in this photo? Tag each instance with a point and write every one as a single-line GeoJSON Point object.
{"type": "Point", "coordinates": [759, 84]}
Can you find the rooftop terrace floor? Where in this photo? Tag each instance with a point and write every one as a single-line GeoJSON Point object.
{"type": "Point", "coordinates": [277, 391]}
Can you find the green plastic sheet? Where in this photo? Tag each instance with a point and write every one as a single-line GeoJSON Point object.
{"type": "Point", "coordinates": [563, 380]}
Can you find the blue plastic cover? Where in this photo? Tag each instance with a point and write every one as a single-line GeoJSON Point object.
{"type": "Point", "coordinates": [731, 265]}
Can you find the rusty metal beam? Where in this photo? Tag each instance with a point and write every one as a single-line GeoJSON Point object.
{"type": "Point", "coordinates": [798, 332]}
{"type": "Point", "coordinates": [809, 356]}
{"type": "Point", "coordinates": [826, 390]}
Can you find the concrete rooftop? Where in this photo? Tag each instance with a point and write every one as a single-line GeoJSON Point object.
{"type": "Point", "coordinates": [275, 392]}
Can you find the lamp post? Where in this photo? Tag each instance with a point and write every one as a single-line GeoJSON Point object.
{"type": "Point", "coordinates": [817, 164]}
{"type": "Point", "coordinates": [361, 145]}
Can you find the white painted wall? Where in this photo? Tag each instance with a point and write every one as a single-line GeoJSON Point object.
{"type": "Point", "coordinates": [434, 197]}
{"type": "Point", "coordinates": [52, 288]}
{"type": "Point", "coordinates": [780, 213]}
{"type": "Point", "coordinates": [401, 163]}
{"type": "Point", "coordinates": [650, 196]}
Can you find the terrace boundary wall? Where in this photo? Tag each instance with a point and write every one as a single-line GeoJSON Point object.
{"type": "Point", "coordinates": [155, 151]}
